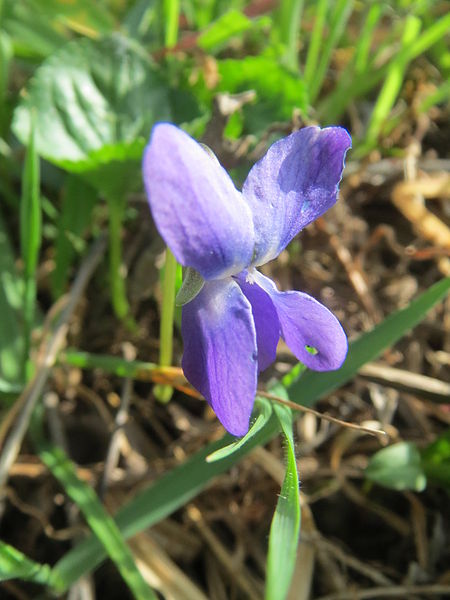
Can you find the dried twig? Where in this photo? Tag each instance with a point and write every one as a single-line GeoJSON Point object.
{"type": "Point", "coordinates": [354, 272]}
{"type": "Point", "coordinates": [407, 381]}
{"type": "Point", "coordinates": [240, 574]}
{"type": "Point", "coordinates": [394, 591]}
{"type": "Point", "coordinates": [305, 409]}
{"type": "Point", "coordinates": [113, 453]}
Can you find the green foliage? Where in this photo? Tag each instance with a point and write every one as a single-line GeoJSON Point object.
{"type": "Point", "coordinates": [398, 467]}
{"type": "Point", "coordinates": [15, 565]}
{"type": "Point", "coordinates": [338, 19]}
{"type": "Point", "coordinates": [32, 34]}
{"type": "Point", "coordinates": [393, 81]}
{"type": "Point", "coordinates": [285, 527]}
{"type": "Point", "coordinates": [12, 348]}
{"type": "Point", "coordinates": [95, 102]}
{"type": "Point", "coordinates": [436, 461]}
{"type": "Point", "coordinates": [286, 31]}
{"type": "Point", "coordinates": [6, 52]}
{"type": "Point", "coordinates": [279, 92]}
{"type": "Point", "coordinates": [218, 33]}
{"type": "Point", "coordinates": [30, 239]}
{"type": "Point", "coordinates": [263, 410]}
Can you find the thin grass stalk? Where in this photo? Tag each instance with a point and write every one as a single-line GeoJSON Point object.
{"type": "Point", "coordinates": [30, 242]}
{"type": "Point", "coordinates": [338, 19]}
{"type": "Point", "coordinates": [316, 42]}
{"type": "Point", "coordinates": [164, 392]}
{"type": "Point", "coordinates": [331, 109]}
{"type": "Point", "coordinates": [171, 19]}
{"type": "Point", "coordinates": [392, 83]}
{"type": "Point", "coordinates": [288, 22]}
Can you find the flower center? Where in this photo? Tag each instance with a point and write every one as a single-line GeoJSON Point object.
{"type": "Point", "coordinates": [250, 277]}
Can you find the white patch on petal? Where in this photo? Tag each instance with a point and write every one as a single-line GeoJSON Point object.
{"type": "Point", "coordinates": [251, 275]}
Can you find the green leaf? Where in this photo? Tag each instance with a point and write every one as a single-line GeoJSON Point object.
{"type": "Point", "coordinates": [436, 460]}
{"type": "Point", "coordinates": [278, 90]}
{"type": "Point", "coordinates": [183, 483]}
{"type": "Point", "coordinates": [285, 528]}
{"type": "Point", "coordinates": [264, 408]}
{"type": "Point", "coordinates": [101, 523]}
{"type": "Point", "coordinates": [228, 25]}
{"type": "Point", "coordinates": [398, 467]}
{"type": "Point", "coordinates": [95, 104]}
{"type": "Point", "coordinates": [15, 565]}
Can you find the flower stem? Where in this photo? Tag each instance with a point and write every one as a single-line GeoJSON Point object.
{"type": "Point", "coordinates": [164, 392]}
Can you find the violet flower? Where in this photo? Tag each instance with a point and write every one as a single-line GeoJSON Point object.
{"type": "Point", "coordinates": [232, 326]}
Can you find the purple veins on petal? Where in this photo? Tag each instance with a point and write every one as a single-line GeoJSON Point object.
{"type": "Point", "coordinates": [294, 183]}
{"type": "Point", "coordinates": [199, 213]}
{"type": "Point", "coordinates": [220, 352]}
{"type": "Point", "coordinates": [304, 323]}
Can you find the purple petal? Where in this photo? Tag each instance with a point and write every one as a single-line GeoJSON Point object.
{"type": "Point", "coordinates": [201, 216]}
{"type": "Point", "coordinates": [306, 322]}
{"type": "Point", "coordinates": [293, 184]}
{"type": "Point", "coordinates": [266, 320]}
{"type": "Point", "coordinates": [220, 352]}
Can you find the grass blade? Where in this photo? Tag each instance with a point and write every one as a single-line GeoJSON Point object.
{"type": "Point", "coordinates": [316, 42]}
{"type": "Point", "coordinates": [101, 523]}
{"type": "Point", "coordinates": [11, 302]}
{"type": "Point", "coordinates": [362, 50]}
{"type": "Point", "coordinates": [183, 483]}
{"type": "Point", "coordinates": [6, 54]}
{"type": "Point", "coordinates": [331, 109]}
{"type": "Point", "coordinates": [15, 565]}
{"type": "Point", "coordinates": [338, 20]}
{"type": "Point", "coordinates": [30, 239]}
{"type": "Point", "coordinates": [171, 19]}
{"type": "Point", "coordinates": [285, 528]}
{"type": "Point", "coordinates": [287, 24]}
{"type": "Point", "coordinates": [392, 84]}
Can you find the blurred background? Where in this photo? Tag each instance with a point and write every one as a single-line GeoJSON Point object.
{"type": "Point", "coordinates": [82, 266]}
